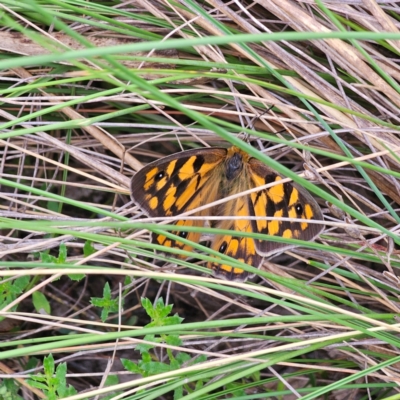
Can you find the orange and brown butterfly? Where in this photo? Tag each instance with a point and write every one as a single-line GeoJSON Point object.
{"type": "Point", "coordinates": [193, 178]}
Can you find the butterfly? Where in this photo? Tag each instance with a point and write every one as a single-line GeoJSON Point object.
{"type": "Point", "coordinates": [190, 179]}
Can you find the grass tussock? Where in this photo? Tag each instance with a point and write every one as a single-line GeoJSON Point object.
{"type": "Point", "coordinates": [90, 93]}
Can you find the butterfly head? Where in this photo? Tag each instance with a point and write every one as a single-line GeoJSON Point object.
{"type": "Point", "coordinates": [235, 160]}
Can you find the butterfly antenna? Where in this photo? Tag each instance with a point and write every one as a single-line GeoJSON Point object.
{"type": "Point", "coordinates": [246, 137]}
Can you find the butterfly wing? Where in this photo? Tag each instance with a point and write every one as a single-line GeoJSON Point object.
{"type": "Point", "coordinates": [284, 200]}
{"type": "Point", "coordinates": [241, 248]}
{"type": "Point", "coordinates": [176, 184]}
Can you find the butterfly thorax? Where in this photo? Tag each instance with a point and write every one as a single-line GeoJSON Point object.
{"type": "Point", "coordinates": [234, 162]}
{"type": "Point", "coordinates": [237, 180]}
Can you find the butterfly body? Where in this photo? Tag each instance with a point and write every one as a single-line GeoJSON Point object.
{"type": "Point", "coordinates": [185, 181]}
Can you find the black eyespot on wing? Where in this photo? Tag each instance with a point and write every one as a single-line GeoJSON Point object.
{"type": "Point", "coordinates": [183, 235]}
{"type": "Point", "coordinates": [299, 209]}
{"type": "Point", "coordinates": [159, 176]}
{"type": "Point", "coordinates": [223, 247]}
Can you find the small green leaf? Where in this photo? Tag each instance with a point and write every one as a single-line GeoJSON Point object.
{"type": "Point", "coordinates": [146, 357]}
{"type": "Point", "coordinates": [62, 254]}
{"type": "Point", "coordinates": [48, 365]}
{"type": "Point", "coordinates": [104, 314]}
{"type": "Point", "coordinates": [128, 280]}
{"type": "Point", "coordinates": [178, 393]}
{"type": "Point", "coordinates": [53, 206]}
{"type": "Point", "coordinates": [237, 389]}
{"type": "Point", "coordinates": [9, 390]}
{"type": "Point", "coordinates": [47, 258]}
{"type": "Point", "coordinates": [61, 379]}
{"type": "Point", "coordinates": [173, 320]}
{"type": "Point", "coordinates": [61, 259]}
{"type": "Point", "coordinates": [70, 391]}
{"type": "Point", "coordinates": [107, 291]}
{"type": "Point", "coordinates": [162, 310]}
{"type": "Point", "coordinates": [154, 368]}
{"type": "Point", "coordinates": [199, 360]}
{"type": "Point", "coordinates": [42, 306]}
{"type": "Point", "coordinates": [143, 348]}
{"type": "Point", "coordinates": [199, 385]}
{"type": "Point", "coordinates": [36, 384]}
{"type": "Point", "coordinates": [111, 380]}
{"type": "Point", "coordinates": [54, 386]}
{"type": "Point", "coordinates": [88, 249]}
{"type": "Point", "coordinates": [76, 277]}
{"type": "Point", "coordinates": [159, 314]}
{"type": "Point", "coordinates": [130, 366]}
{"type": "Point", "coordinates": [173, 340]}
{"type": "Point", "coordinates": [182, 357]}
{"type": "Point", "coordinates": [21, 283]}
{"type": "Point", "coordinates": [106, 302]}
{"type": "Point", "coordinates": [146, 303]}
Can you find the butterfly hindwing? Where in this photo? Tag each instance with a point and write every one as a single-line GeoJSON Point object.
{"type": "Point", "coordinates": [238, 247]}
{"type": "Point", "coordinates": [168, 242]}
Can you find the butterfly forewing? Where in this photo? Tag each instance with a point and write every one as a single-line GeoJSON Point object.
{"type": "Point", "coordinates": [176, 184]}
{"type": "Point", "coordinates": [170, 185]}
